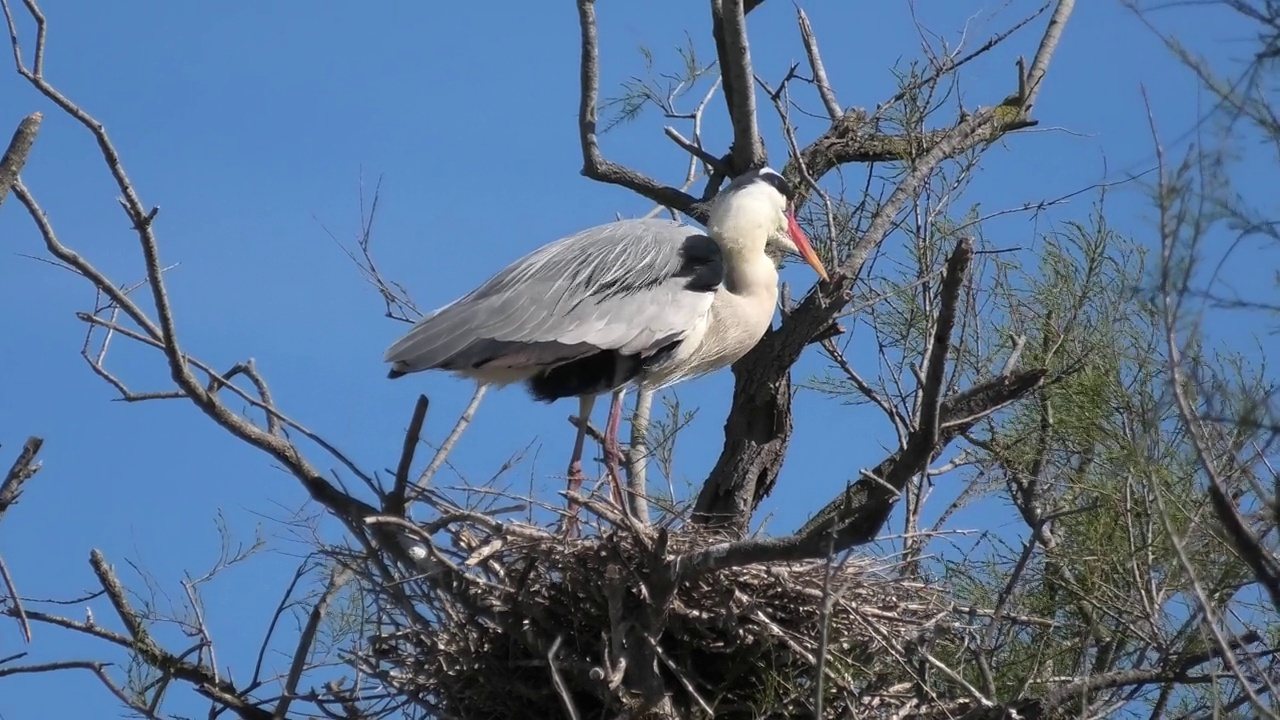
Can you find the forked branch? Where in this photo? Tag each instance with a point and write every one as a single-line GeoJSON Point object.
{"type": "Point", "coordinates": [759, 428]}
{"type": "Point", "coordinates": [594, 164]}
{"type": "Point", "coordinates": [858, 514]}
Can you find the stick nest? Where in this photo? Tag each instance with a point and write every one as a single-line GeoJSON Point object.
{"type": "Point", "coordinates": [510, 621]}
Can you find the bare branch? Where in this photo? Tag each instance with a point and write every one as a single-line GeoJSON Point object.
{"type": "Point", "coordinates": [395, 502]}
{"type": "Point", "coordinates": [116, 594]}
{"type": "Point", "coordinates": [594, 164]}
{"type": "Point", "coordinates": [99, 670]}
{"type": "Point", "coordinates": [1048, 45]}
{"type": "Point", "coordinates": [446, 447]}
{"type": "Point", "coordinates": [825, 91]}
{"type": "Point", "coordinates": [15, 156]}
{"type": "Point", "coordinates": [22, 470]}
{"type": "Point", "coordinates": [857, 515]}
{"type": "Point", "coordinates": [162, 333]}
{"type": "Point", "coordinates": [337, 579]}
{"type": "Point", "coordinates": [203, 678]}
{"type": "Point", "coordinates": [16, 601]}
{"type": "Point", "coordinates": [729, 28]}
{"type": "Point", "coordinates": [695, 150]}
{"type": "Point", "coordinates": [298, 574]}
{"type": "Point", "coordinates": [936, 363]}
{"type": "Point", "coordinates": [250, 370]}
{"type": "Point", "coordinates": [637, 464]}
{"type": "Point", "coordinates": [556, 679]}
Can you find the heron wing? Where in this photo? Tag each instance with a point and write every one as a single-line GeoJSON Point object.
{"type": "Point", "coordinates": [633, 287]}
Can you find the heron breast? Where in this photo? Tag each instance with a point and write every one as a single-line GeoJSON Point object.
{"type": "Point", "coordinates": [733, 326]}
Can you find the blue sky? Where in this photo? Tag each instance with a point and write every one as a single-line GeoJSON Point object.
{"type": "Point", "coordinates": [250, 125]}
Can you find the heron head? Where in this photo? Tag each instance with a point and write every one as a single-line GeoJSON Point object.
{"type": "Point", "coordinates": [762, 198]}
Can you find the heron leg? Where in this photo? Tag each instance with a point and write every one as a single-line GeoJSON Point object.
{"type": "Point", "coordinates": [575, 474]}
{"type": "Point", "coordinates": [613, 451]}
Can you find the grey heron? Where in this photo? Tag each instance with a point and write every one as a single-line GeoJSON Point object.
{"type": "Point", "coordinates": [648, 301]}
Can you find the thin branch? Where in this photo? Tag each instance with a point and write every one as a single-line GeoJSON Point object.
{"type": "Point", "coordinates": [345, 507]}
{"type": "Point", "coordinates": [825, 90]}
{"type": "Point", "coordinates": [201, 677]}
{"type": "Point", "coordinates": [446, 447]}
{"type": "Point", "coordinates": [16, 600]}
{"type": "Point", "coordinates": [594, 164]}
{"type": "Point", "coordinates": [68, 256]}
{"type": "Point", "coordinates": [695, 150]}
{"type": "Point", "coordinates": [119, 600]}
{"type": "Point", "coordinates": [250, 370]}
{"type": "Point", "coordinates": [87, 627]}
{"type": "Point", "coordinates": [270, 447]}
{"type": "Point", "coordinates": [298, 574]}
{"type": "Point", "coordinates": [558, 681]}
{"type": "Point", "coordinates": [99, 670]}
{"type": "Point", "coordinates": [337, 579]}
{"type": "Point", "coordinates": [395, 502]}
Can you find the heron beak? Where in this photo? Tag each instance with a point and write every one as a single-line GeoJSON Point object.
{"type": "Point", "coordinates": [802, 244]}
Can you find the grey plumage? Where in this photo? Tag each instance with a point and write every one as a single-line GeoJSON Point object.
{"type": "Point", "coordinates": [584, 314]}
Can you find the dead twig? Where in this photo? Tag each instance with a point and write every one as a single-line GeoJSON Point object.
{"type": "Point", "coordinates": [825, 91]}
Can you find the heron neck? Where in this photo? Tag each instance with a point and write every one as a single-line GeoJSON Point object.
{"type": "Point", "coordinates": [741, 224]}
{"type": "Point", "coordinates": [749, 271]}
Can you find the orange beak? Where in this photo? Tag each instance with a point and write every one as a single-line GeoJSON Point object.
{"type": "Point", "coordinates": [802, 244]}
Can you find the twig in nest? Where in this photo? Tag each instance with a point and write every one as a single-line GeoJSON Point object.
{"type": "Point", "coordinates": [558, 681]}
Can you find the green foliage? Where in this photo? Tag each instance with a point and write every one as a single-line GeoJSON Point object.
{"type": "Point", "coordinates": [661, 89]}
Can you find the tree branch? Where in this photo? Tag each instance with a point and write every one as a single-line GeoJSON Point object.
{"type": "Point", "coordinates": [729, 28]}
{"type": "Point", "coordinates": [344, 506]}
{"type": "Point", "coordinates": [99, 670]}
{"type": "Point", "coordinates": [446, 447]}
{"type": "Point", "coordinates": [759, 426]}
{"type": "Point", "coordinates": [15, 600]}
{"type": "Point", "coordinates": [337, 579]}
{"type": "Point", "coordinates": [825, 91]}
{"type": "Point", "coordinates": [395, 502]}
{"type": "Point", "coordinates": [594, 164]}
{"type": "Point", "coordinates": [22, 470]}
{"type": "Point", "coordinates": [695, 150]}
{"type": "Point", "coordinates": [204, 679]}
{"type": "Point", "coordinates": [15, 156]}
{"type": "Point", "coordinates": [856, 516]}
{"type": "Point", "coordinates": [637, 460]}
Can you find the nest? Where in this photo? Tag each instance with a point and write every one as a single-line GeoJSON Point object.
{"type": "Point", "coordinates": [511, 621]}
